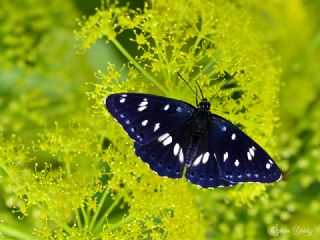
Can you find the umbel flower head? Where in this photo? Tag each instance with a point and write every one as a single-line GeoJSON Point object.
{"type": "Point", "coordinates": [162, 37]}
{"type": "Point", "coordinates": [156, 39]}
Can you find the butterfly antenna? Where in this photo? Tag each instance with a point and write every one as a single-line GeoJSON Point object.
{"type": "Point", "coordinates": [228, 80]}
{"type": "Point", "coordinates": [199, 89]}
{"type": "Point", "coordinates": [179, 75]}
{"type": "Point", "coordinates": [196, 98]}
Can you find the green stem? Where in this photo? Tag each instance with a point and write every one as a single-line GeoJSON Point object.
{"type": "Point", "coordinates": [4, 168]}
{"type": "Point", "coordinates": [88, 216]}
{"type": "Point", "coordinates": [83, 211]}
{"type": "Point", "coordinates": [78, 219]}
{"type": "Point", "coordinates": [68, 169]}
{"type": "Point", "coordinates": [67, 229]}
{"type": "Point", "coordinates": [102, 200]}
{"type": "Point", "coordinates": [199, 38]}
{"type": "Point", "coordinates": [138, 66]}
{"type": "Point", "coordinates": [126, 220]}
{"type": "Point", "coordinates": [312, 47]}
{"type": "Point", "coordinates": [162, 59]}
{"type": "Point", "coordinates": [205, 68]}
{"type": "Point", "coordinates": [13, 232]}
{"type": "Point", "coordinates": [109, 210]}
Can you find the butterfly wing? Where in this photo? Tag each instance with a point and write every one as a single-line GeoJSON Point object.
{"type": "Point", "coordinates": [165, 155]}
{"type": "Point", "coordinates": [145, 117]}
{"type": "Point", "coordinates": [204, 170]}
{"type": "Point", "coordinates": [239, 158]}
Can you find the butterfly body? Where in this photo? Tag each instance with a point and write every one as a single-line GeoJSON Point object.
{"type": "Point", "coordinates": [200, 120]}
{"type": "Point", "coordinates": [170, 135]}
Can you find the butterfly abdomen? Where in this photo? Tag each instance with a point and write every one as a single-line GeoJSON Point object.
{"type": "Point", "coordinates": [192, 149]}
{"type": "Point", "coordinates": [199, 131]}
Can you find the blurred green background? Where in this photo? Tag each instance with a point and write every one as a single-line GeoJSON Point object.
{"type": "Point", "coordinates": [60, 177]}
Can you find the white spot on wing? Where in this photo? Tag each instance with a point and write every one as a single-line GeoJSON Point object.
{"type": "Point", "coordinates": [181, 158]}
{"type": "Point", "coordinates": [223, 128]}
{"type": "Point", "coordinates": [205, 157]}
{"type": "Point", "coordinates": [249, 156]}
{"type": "Point", "coordinates": [124, 95]}
{"type": "Point", "coordinates": [251, 151]}
{"type": "Point", "coordinates": [167, 141]}
{"type": "Point", "coordinates": [268, 166]}
{"type": "Point", "coordinates": [225, 156]}
{"type": "Point", "coordinates": [144, 102]}
{"type": "Point", "coordinates": [156, 127]}
{"type": "Point", "coordinates": [144, 122]}
{"type": "Point", "coordinates": [198, 160]}
{"type": "Point", "coordinates": [140, 109]}
{"type": "Point", "coordinates": [166, 107]}
{"type": "Point", "coordinates": [176, 149]}
{"type": "Point", "coordinates": [233, 136]}
{"type": "Point", "coordinates": [163, 137]}
{"type": "Point", "coordinates": [270, 161]}
{"type": "Point", "coordinates": [122, 100]}
{"type": "Point", "coordinates": [236, 163]}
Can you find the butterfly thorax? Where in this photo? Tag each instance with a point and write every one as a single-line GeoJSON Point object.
{"type": "Point", "coordinates": [201, 118]}
{"type": "Point", "coordinates": [204, 105]}
{"type": "Point", "coordinates": [201, 121]}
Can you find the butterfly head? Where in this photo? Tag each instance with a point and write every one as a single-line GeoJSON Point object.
{"type": "Point", "coordinates": [204, 105]}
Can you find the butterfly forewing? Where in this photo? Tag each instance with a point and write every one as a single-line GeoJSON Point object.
{"type": "Point", "coordinates": [239, 158]}
{"type": "Point", "coordinates": [145, 117]}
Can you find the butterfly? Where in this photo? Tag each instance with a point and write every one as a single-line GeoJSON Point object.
{"type": "Point", "coordinates": [171, 135]}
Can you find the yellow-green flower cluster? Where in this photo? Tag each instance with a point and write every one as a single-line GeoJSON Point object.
{"type": "Point", "coordinates": [68, 170]}
{"type": "Point", "coordinates": [162, 37]}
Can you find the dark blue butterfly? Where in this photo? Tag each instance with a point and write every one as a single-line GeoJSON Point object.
{"type": "Point", "coordinates": [170, 135]}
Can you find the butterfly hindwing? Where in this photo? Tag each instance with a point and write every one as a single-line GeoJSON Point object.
{"type": "Point", "coordinates": [165, 155]}
{"type": "Point", "coordinates": [204, 170]}
{"type": "Point", "coordinates": [145, 117]}
{"type": "Point", "coordinates": [239, 158]}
